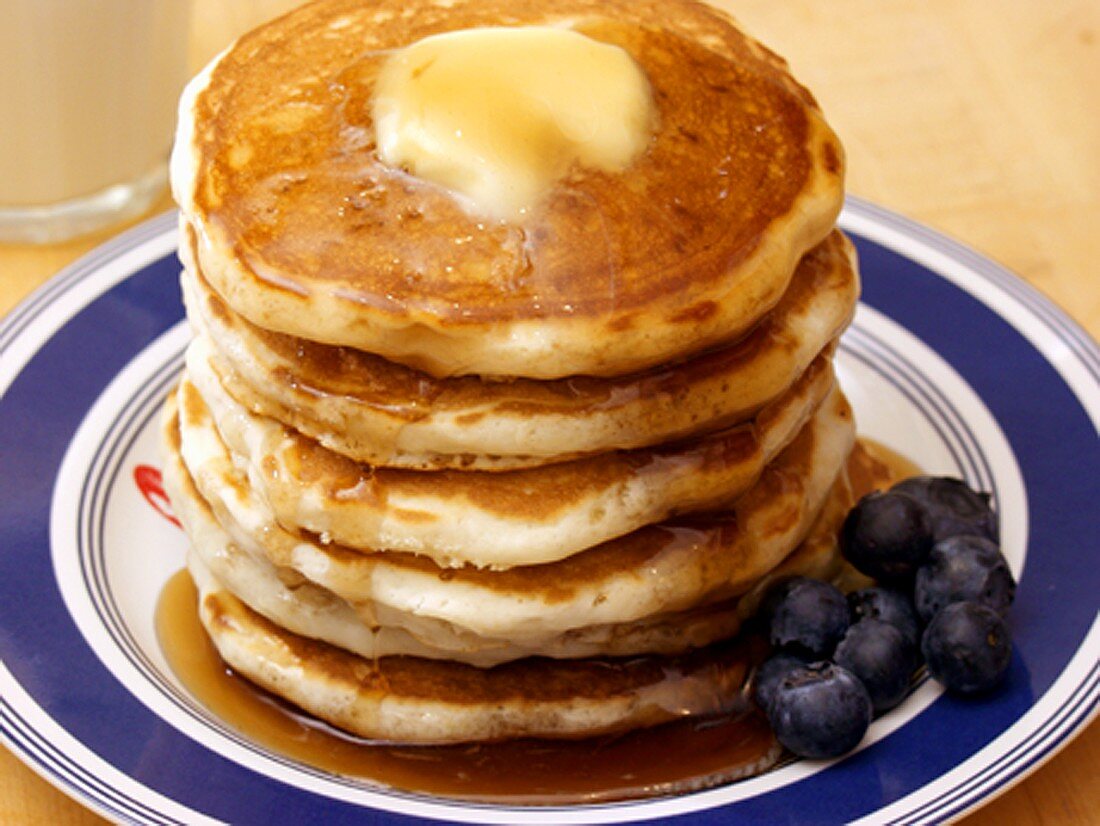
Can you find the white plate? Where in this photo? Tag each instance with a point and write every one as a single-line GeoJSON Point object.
{"type": "Point", "coordinates": [951, 361]}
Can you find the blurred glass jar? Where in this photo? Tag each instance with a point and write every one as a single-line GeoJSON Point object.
{"type": "Point", "coordinates": [88, 94]}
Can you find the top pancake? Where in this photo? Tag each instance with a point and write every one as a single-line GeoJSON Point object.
{"type": "Point", "coordinates": [303, 230]}
{"type": "Point", "coordinates": [385, 414]}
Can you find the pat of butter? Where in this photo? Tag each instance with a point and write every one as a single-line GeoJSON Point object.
{"type": "Point", "coordinates": [498, 114]}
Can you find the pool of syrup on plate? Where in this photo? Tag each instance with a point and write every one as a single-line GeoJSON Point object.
{"type": "Point", "coordinates": [676, 757]}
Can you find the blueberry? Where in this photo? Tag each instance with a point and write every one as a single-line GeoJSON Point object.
{"type": "Point", "coordinates": [887, 536]}
{"type": "Point", "coordinates": [954, 508]}
{"type": "Point", "coordinates": [967, 647]}
{"type": "Point", "coordinates": [882, 659]}
{"type": "Point", "coordinates": [820, 710]}
{"type": "Point", "coordinates": [889, 606]}
{"type": "Point", "coordinates": [809, 619]}
{"type": "Point", "coordinates": [774, 597]}
{"type": "Point", "coordinates": [770, 673]}
{"type": "Point", "coordinates": [964, 568]}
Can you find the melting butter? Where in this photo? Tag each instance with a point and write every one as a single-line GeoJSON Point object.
{"type": "Point", "coordinates": [498, 114]}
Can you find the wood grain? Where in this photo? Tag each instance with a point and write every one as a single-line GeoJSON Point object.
{"type": "Point", "coordinates": [980, 119]}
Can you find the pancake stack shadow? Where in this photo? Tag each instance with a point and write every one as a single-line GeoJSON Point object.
{"type": "Point", "coordinates": [479, 493]}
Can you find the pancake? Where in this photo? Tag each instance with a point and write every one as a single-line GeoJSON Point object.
{"type": "Point", "coordinates": [456, 469]}
{"type": "Point", "coordinates": [655, 570]}
{"type": "Point", "coordinates": [414, 700]}
{"type": "Point", "coordinates": [458, 703]}
{"type": "Point", "coordinates": [291, 602]}
{"type": "Point", "coordinates": [303, 230]}
{"type": "Point", "coordinates": [373, 410]}
{"type": "Point", "coordinates": [818, 555]}
{"type": "Point", "coordinates": [310, 611]}
{"type": "Point", "coordinates": [487, 519]}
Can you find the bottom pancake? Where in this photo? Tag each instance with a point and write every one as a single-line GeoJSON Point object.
{"type": "Point", "coordinates": [417, 700]}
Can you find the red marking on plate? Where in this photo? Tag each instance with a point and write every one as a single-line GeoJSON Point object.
{"type": "Point", "coordinates": [149, 482]}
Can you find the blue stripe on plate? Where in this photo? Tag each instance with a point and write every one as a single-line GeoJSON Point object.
{"type": "Point", "coordinates": [132, 419]}
{"type": "Point", "coordinates": [74, 777]}
{"type": "Point", "coordinates": [1057, 322]}
{"type": "Point", "coordinates": [87, 266]}
{"type": "Point", "coordinates": [945, 419]}
{"type": "Point", "coordinates": [1078, 707]}
{"type": "Point", "coordinates": [1054, 442]}
{"type": "Point", "coordinates": [38, 415]}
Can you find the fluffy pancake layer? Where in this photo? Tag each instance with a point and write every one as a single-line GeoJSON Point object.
{"type": "Point", "coordinates": [670, 567]}
{"type": "Point", "coordinates": [289, 600]}
{"type": "Point", "coordinates": [417, 700]}
{"type": "Point", "coordinates": [487, 519]}
{"type": "Point", "coordinates": [376, 411]}
{"type": "Point", "coordinates": [613, 273]}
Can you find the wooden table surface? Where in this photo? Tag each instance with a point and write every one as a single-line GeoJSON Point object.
{"type": "Point", "coordinates": [978, 118]}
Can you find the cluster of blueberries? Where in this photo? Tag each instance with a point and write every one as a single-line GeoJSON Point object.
{"type": "Point", "coordinates": [942, 594]}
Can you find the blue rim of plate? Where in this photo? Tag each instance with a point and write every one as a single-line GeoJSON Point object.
{"type": "Point", "coordinates": [1037, 372]}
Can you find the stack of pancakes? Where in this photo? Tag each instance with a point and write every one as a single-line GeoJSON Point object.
{"type": "Point", "coordinates": [451, 479]}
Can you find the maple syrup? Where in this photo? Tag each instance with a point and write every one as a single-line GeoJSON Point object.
{"type": "Point", "coordinates": [874, 466]}
{"type": "Point", "coordinates": [677, 757]}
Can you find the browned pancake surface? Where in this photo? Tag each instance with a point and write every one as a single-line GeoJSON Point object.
{"type": "Point", "coordinates": [291, 189]}
{"type": "Point", "coordinates": [349, 398]}
{"type": "Point", "coordinates": [311, 368]}
{"type": "Point", "coordinates": [534, 679]}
